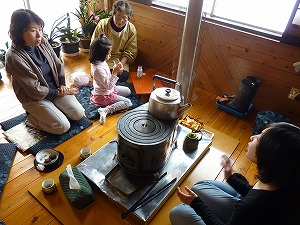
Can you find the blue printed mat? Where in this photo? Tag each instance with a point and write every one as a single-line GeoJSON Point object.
{"type": "Point", "coordinates": [7, 154]}
{"type": "Point", "coordinates": [52, 140]}
{"type": "Point", "coordinates": [91, 110]}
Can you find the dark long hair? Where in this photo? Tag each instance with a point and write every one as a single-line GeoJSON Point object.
{"type": "Point", "coordinates": [99, 49]}
{"type": "Point", "coordinates": [20, 20]}
{"type": "Point", "coordinates": [278, 155]}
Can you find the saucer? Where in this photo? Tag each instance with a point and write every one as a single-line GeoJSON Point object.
{"type": "Point", "coordinates": [53, 166]}
{"type": "Point", "coordinates": [47, 156]}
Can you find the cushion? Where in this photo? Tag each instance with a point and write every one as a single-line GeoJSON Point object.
{"type": "Point", "coordinates": [79, 79]}
{"type": "Point", "coordinates": [267, 117]}
{"type": "Point", "coordinates": [91, 110]}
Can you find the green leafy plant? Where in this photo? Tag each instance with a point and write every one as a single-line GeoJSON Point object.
{"type": "Point", "coordinates": [55, 32]}
{"type": "Point", "coordinates": [105, 14]}
{"type": "Point", "coordinates": [89, 16]}
{"type": "Point", "coordinates": [3, 54]}
{"type": "Point", "coordinates": [67, 34]}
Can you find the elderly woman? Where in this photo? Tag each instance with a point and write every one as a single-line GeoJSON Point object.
{"type": "Point", "coordinates": [38, 77]}
{"type": "Point", "coordinates": [123, 35]}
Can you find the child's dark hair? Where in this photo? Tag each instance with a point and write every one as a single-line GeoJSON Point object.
{"type": "Point", "coordinates": [278, 155]}
{"type": "Point", "coordinates": [20, 20]}
{"type": "Point", "coordinates": [99, 49]}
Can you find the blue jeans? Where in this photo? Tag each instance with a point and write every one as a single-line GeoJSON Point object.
{"type": "Point", "coordinates": [219, 197]}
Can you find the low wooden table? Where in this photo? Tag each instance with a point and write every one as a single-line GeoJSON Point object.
{"type": "Point", "coordinates": [144, 85]}
{"type": "Point", "coordinates": [107, 210]}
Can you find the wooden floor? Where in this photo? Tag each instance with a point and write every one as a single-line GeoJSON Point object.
{"type": "Point", "coordinates": [17, 206]}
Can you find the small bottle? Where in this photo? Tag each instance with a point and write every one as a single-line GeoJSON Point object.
{"type": "Point", "coordinates": [139, 73]}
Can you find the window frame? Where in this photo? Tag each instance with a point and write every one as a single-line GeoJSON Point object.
{"type": "Point", "coordinates": [211, 17]}
{"type": "Point", "coordinates": [288, 35]}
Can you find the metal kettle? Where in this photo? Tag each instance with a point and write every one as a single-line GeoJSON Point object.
{"type": "Point", "coordinates": [166, 103]}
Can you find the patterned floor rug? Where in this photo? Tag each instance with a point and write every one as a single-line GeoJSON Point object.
{"type": "Point", "coordinates": [91, 110]}
{"type": "Point", "coordinates": [7, 154]}
{"type": "Point", "coordinates": [51, 140]}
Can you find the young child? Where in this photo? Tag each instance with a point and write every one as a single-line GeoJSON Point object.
{"type": "Point", "coordinates": [106, 94]}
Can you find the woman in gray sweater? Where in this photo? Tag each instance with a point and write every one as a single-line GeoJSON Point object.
{"type": "Point", "coordinates": [38, 77]}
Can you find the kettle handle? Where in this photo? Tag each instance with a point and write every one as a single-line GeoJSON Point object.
{"type": "Point", "coordinates": [168, 80]}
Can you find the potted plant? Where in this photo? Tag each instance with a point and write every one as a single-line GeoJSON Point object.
{"type": "Point", "coordinates": [3, 53]}
{"type": "Point", "coordinates": [69, 39]}
{"type": "Point", "coordinates": [55, 33]}
{"type": "Point", "coordinates": [88, 16]}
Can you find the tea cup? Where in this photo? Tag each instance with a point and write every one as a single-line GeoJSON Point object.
{"type": "Point", "coordinates": [48, 186]}
{"type": "Point", "coordinates": [85, 152]}
{"type": "Point", "coordinates": [116, 62]}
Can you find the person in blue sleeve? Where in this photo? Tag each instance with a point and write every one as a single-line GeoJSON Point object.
{"type": "Point", "coordinates": [274, 198]}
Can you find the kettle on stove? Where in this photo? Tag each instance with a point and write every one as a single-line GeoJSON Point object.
{"type": "Point", "coordinates": [166, 103]}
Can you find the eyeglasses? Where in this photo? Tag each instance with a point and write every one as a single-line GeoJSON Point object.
{"type": "Point", "coordinates": [124, 18]}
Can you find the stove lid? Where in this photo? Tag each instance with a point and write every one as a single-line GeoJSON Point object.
{"type": "Point", "coordinates": [141, 128]}
{"type": "Point", "coordinates": [167, 94]}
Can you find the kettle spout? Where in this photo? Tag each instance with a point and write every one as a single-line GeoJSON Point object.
{"type": "Point", "coordinates": [184, 107]}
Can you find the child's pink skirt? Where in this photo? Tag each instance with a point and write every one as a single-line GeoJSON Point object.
{"type": "Point", "coordinates": [104, 100]}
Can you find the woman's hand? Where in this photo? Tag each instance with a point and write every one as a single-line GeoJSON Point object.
{"type": "Point", "coordinates": [186, 198]}
{"type": "Point", "coordinates": [63, 90]}
{"type": "Point", "coordinates": [73, 91]}
{"type": "Point", "coordinates": [124, 60]}
{"type": "Point", "coordinates": [118, 69]}
{"type": "Point", "coordinates": [227, 164]}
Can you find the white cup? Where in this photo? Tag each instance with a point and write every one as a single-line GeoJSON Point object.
{"type": "Point", "coordinates": [48, 186]}
{"type": "Point", "coordinates": [116, 62]}
{"type": "Point", "coordinates": [85, 152]}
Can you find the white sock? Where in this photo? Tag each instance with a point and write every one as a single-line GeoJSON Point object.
{"type": "Point", "coordinates": [102, 113]}
{"type": "Point", "coordinates": [117, 106]}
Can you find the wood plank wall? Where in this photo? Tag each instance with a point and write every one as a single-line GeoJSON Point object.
{"type": "Point", "coordinates": [226, 57]}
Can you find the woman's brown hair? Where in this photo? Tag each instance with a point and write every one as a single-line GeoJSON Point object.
{"type": "Point", "coordinates": [20, 20]}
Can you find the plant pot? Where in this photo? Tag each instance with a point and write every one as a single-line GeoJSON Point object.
{"type": "Point", "coordinates": [92, 29]}
{"type": "Point", "coordinates": [84, 44]}
{"type": "Point", "coordinates": [56, 47]}
{"type": "Point", "coordinates": [2, 57]}
{"type": "Point", "coordinates": [70, 48]}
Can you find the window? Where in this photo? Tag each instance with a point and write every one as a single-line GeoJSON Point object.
{"type": "Point", "coordinates": [54, 10]}
{"type": "Point", "coordinates": [49, 12]}
{"type": "Point", "coordinates": [6, 11]}
{"type": "Point", "coordinates": [268, 16]}
{"type": "Point", "coordinates": [173, 4]}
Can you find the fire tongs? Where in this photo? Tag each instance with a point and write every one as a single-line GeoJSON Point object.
{"type": "Point", "coordinates": [142, 200]}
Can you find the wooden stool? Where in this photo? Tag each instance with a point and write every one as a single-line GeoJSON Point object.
{"type": "Point", "coordinates": [144, 86]}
